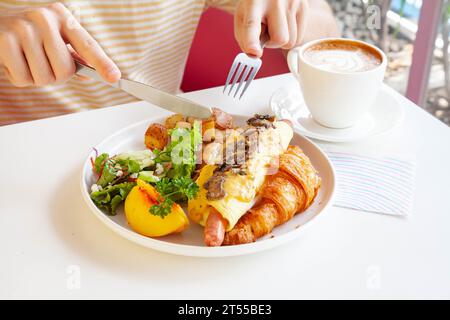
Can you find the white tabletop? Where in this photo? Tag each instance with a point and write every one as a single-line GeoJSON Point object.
{"type": "Point", "coordinates": [52, 246]}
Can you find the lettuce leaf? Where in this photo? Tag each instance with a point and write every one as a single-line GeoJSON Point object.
{"type": "Point", "coordinates": [143, 157]}
{"type": "Point", "coordinates": [183, 150]}
{"type": "Point", "coordinates": [108, 173]}
{"type": "Point", "coordinates": [99, 162]}
{"type": "Point", "coordinates": [108, 199]}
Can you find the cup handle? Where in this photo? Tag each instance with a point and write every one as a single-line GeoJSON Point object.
{"type": "Point", "coordinates": [292, 61]}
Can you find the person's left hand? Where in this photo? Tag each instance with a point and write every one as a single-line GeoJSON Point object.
{"type": "Point", "coordinates": [283, 20]}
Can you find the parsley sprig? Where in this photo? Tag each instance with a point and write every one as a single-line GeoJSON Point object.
{"type": "Point", "coordinates": [173, 190]}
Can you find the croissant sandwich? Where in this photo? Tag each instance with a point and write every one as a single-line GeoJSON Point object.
{"type": "Point", "coordinates": [291, 190]}
{"type": "Point", "coordinates": [243, 201]}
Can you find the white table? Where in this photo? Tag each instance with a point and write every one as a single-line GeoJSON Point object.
{"type": "Point", "coordinates": [51, 246]}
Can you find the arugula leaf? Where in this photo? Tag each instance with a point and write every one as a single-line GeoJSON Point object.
{"type": "Point", "coordinates": [109, 198]}
{"type": "Point", "coordinates": [173, 190]}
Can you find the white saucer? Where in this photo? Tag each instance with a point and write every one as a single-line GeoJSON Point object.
{"type": "Point", "coordinates": [386, 113]}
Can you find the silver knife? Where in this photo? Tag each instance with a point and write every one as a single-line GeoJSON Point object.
{"type": "Point", "coordinates": [150, 94]}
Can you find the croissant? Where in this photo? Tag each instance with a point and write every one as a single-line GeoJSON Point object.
{"type": "Point", "coordinates": [289, 191]}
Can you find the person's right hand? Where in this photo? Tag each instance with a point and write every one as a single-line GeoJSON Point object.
{"type": "Point", "coordinates": [34, 51]}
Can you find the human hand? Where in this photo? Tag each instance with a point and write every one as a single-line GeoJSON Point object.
{"type": "Point", "coordinates": [34, 51]}
{"type": "Point", "coordinates": [283, 20]}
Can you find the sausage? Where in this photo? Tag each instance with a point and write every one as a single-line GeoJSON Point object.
{"type": "Point", "coordinates": [214, 231]}
{"type": "Point", "coordinates": [222, 119]}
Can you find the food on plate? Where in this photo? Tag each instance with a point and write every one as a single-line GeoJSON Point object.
{"type": "Point", "coordinates": [231, 188]}
{"type": "Point", "coordinates": [238, 182]}
{"type": "Point", "coordinates": [222, 119]}
{"type": "Point", "coordinates": [171, 121]}
{"type": "Point", "coordinates": [156, 136]}
{"type": "Point", "coordinates": [138, 204]}
{"type": "Point", "coordinates": [116, 176]}
{"type": "Point", "coordinates": [289, 191]}
{"type": "Point", "coordinates": [209, 130]}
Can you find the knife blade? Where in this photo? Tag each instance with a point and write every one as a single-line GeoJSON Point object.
{"type": "Point", "coordinates": [150, 94]}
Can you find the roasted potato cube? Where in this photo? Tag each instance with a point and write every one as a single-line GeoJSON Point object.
{"type": "Point", "coordinates": [171, 122]}
{"type": "Point", "coordinates": [208, 130]}
{"type": "Point", "coordinates": [156, 136]}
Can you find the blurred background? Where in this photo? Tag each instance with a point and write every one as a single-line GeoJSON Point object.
{"type": "Point", "coordinates": [413, 33]}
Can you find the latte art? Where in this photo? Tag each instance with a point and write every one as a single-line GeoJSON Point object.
{"type": "Point", "coordinates": [341, 57]}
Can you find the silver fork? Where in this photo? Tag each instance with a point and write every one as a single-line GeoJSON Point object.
{"type": "Point", "coordinates": [247, 67]}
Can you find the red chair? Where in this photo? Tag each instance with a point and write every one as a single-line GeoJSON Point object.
{"type": "Point", "coordinates": [213, 51]}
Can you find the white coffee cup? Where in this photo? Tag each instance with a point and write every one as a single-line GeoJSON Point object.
{"type": "Point", "coordinates": [336, 99]}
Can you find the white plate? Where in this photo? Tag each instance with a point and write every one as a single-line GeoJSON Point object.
{"type": "Point", "coordinates": [386, 113]}
{"type": "Point", "coordinates": [190, 241]}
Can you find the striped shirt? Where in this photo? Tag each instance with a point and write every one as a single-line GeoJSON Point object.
{"type": "Point", "coordinates": [149, 41]}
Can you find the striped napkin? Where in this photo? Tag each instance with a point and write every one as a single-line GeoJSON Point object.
{"type": "Point", "coordinates": [381, 185]}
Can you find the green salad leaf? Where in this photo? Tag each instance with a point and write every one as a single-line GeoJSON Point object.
{"type": "Point", "coordinates": [129, 166]}
{"type": "Point", "coordinates": [148, 176]}
{"type": "Point", "coordinates": [182, 151]}
{"type": "Point", "coordinates": [144, 158]}
{"type": "Point", "coordinates": [113, 170]}
{"type": "Point", "coordinates": [108, 173]}
{"type": "Point", "coordinates": [99, 162]}
{"type": "Point", "coordinates": [109, 198]}
{"type": "Point", "coordinates": [169, 170]}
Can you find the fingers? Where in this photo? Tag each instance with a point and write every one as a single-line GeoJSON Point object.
{"type": "Point", "coordinates": [14, 62]}
{"type": "Point", "coordinates": [85, 45]}
{"type": "Point", "coordinates": [248, 27]}
{"type": "Point", "coordinates": [57, 53]}
{"type": "Point", "coordinates": [291, 18]}
{"type": "Point", "coordinates": [301, 18]}
{"type": "Point", "coordinates": [60, 58]}
{"type": "Point", "coordinates": [284, 20]}
{"type": "Point", "coordinates": [277, 26]}
{"type": "Point", "coordinates": [33, 49]}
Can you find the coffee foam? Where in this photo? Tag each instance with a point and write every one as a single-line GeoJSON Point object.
{"type": "Point", "coordinates": [340, 56]}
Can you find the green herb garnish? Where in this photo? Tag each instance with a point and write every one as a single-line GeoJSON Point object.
{"type": "Point", "coordinates": [173, 190]}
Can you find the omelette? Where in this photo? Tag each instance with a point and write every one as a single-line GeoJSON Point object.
{"type": "Point", "coordinates": [241, 184]}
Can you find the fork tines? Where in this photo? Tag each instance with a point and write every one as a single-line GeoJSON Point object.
{"type": "Point", "coordinates": [243, 70]}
